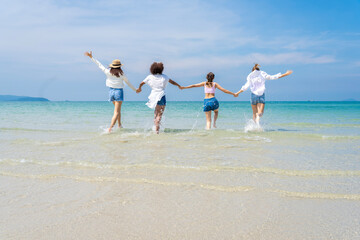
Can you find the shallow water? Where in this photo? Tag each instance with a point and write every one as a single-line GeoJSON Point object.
{"type": "Point", "coordinates": [297, 178]}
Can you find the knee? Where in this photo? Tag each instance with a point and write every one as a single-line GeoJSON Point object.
{"type": "Point", "coordinates": [157, 119]}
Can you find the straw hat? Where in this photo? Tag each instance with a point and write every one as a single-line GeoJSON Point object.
{"type": "Point", "coordinates": [115, 64]}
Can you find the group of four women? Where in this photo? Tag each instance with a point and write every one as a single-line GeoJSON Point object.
{"type": "Point", "coordinates": [158, 82]}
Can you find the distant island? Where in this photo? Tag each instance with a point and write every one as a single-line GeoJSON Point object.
{"type": "Point", "coordinates": [22, 98]}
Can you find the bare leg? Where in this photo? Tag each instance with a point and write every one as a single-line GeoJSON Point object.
{"type": "Point", "coordinates": [260, 111]}
{"type": "Point", "coordinates": [255, 110]}
{"type": "Point", "coordinates": [216, 114]}
{"type": "Point", "coordinates": [208, 120]}
{"type": "Point", "coordinates": [119, 117]}
{"type": "Point", "coordinates": [159, 110]}
{"type": "Point", "coordinates": [117, 107]}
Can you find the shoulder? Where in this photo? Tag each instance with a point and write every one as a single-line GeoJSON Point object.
{"type": "Point", "coordinates": [148, 78]}
{"type": "Point", "coordinates": [165, 76]}
{"type": "Point", "coordinates": [263, 73]}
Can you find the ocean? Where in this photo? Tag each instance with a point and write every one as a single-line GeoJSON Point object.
{"type": "Point", "coordinates": [63, 177]}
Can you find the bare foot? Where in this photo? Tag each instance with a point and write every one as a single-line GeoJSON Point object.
{"type": "Point", "coordinates": [214, 126]}
{"type": "Point", "coordinates": [120, 126]}
{"type": "Point", "coordinates": [109, 130]}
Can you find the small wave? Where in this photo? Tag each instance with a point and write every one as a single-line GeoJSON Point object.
{"type": "Point", "coordinates": [257, 138]}
{"type": "Point", "coordinates": [302, 135]}
{"type": "Point", "coordinates": [221, 188]}
{"type": "Point", "coordinates": [249, 169]}
{"type": "Point", "coordinates": [339, 137]}
{"type": "Point", "coordinates": [30, 130]}
{"type": "Point", "coordinates": [206, 186]}
{"type": "Point", "coordinates": [320, 125]}
{"type": "Point", "coordinates": [316, 195]}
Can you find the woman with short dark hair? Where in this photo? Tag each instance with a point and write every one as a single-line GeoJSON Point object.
{"type": "Point", "coordinates": [158, 82]}
{"type": "Point", "coordinates": [115, 79]}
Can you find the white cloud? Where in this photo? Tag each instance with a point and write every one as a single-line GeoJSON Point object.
{"type": "Point", "coordinates": [184, 32]}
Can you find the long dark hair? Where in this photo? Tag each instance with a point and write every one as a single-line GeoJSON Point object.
{"type": "Point", "coordinates": [116, 71]}
{"type": "Point", "coordinates": [256, 67]}
{"type": "Point", "coordinates": [210, 77]}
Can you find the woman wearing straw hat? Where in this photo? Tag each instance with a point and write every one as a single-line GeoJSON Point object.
{"type": "Point", "coordinates": [115, 79]}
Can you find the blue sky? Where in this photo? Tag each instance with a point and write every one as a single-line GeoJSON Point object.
{"type": "Point", "coordinates": [42, 45]}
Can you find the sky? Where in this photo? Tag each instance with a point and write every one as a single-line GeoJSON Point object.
{"type": "Point", "coordinates": [42, 45]}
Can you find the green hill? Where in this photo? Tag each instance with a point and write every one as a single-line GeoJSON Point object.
{"type": "Point", "coordinates": [22, 98]}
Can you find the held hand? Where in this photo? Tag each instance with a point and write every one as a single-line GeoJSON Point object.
{"type": "Point", "coordinates": [181, 87]}
{"type": "Point", "coordinates": [236, 94]}
{"type": "Point", "coordinates": [138, 90]}
{"type": "Point", "coordinates": [89, 54]}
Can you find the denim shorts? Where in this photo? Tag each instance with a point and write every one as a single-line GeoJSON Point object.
{"type": "Point", "coordinates": [162, 101]}
{"type": "Point", "coordinates": [116, 94]}
{"type": "Point", "coordinates": [255, 99]}
{"type": "Point", "coordinates": [210, 104]}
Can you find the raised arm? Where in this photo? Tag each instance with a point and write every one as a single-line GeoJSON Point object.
{"type": "Point", "coordinates": [224, 90]}
{"type": "Point", "coordinates": [194, 85]}
{"type": "Point", "coordinates": [174, 83]}
{"type": "Point", "coordinates": [288, 72]}
{"type": "Point", "coordinates": [129, 84]}
{"type": "Point", "coordinates": [277, 76]}
{"type": "Point", "coordinates": [89, 54]}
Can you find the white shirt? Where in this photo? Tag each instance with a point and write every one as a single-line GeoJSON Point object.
{"type": "Point", "coordinates": [113, 81]}
{"type": "Point", "coordinates": [158, 83]}
{"type": "Point", "coordinates": [256, 81]}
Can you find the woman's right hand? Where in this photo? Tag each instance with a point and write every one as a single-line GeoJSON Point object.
{"type": "Point", "coordinates": [138, 90]}
{"type": "Point", "coordinates": [288, 72]}
{"type": "Point", "coordinates": [89, 54]}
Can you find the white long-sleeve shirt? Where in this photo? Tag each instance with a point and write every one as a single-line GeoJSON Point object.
{"type": "Point", "coordinates": [256, 81]}
{"type": "Point", "coordinates": [158, 83]}
{"type": "Point", "coordinates": [111, 80]}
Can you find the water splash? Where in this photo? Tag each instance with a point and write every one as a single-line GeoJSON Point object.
{"type": "Point", "coordinates": [252, 126]}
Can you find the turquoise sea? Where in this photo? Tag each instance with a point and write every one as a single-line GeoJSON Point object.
{"type": "Point", "coordinates": [297, 178]}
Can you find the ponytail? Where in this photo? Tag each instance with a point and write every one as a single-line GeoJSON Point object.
{"type": "Point", "coordinates": [210, 77]}
{"type": "Point", "coordinates": [256, 67]}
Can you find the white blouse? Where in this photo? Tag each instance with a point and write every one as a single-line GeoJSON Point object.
{"type": "Point", "coordinates": [256, 81]}
{"type": "Point", "coordinates": [111, 80]}
{"type": "Point", "coordinates": [158, 83]}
